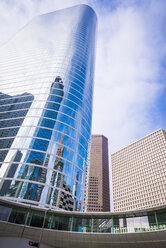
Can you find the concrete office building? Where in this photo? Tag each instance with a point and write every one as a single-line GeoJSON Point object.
{"type": "Point", "coordinates": [46, 80]}
{"type": "Point", "coordinates": [97, 184]}
{"type": "Point", "coordinates": [139, 173]}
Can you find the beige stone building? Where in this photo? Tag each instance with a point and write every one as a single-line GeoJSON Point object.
{"type": "Point", "coordinates": [139, 173]}
{"type": "Point", "coordinates": [97, 197]}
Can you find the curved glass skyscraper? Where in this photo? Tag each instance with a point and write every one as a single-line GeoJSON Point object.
{"type": "Point", "coordinates": [46, 84]}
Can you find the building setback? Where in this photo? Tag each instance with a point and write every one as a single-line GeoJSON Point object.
{"type": "Point", "coordinates": [46, 81]}
{"type": "Point", "coordinates": [97, 184]}
{"type": "Point", "coordinates": [139, 173]}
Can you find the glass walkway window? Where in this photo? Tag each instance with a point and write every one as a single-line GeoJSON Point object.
{"type": "Point", "coordinates": [130, 222]}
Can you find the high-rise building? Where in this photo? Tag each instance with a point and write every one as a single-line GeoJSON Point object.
{"type": "Point", "coordinates": [139, 173]}
{"type": "Point", "coordinates": [46, 78]}
{"type": "Point", "coordinates": [97, 183]}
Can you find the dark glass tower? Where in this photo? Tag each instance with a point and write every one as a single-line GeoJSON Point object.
{"type": "Point", "coordinates": [44, 133]}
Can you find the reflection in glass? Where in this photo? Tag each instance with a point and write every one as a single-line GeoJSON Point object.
{"type": "Point", "coordinates": [10, 111]}
{"type": "Point", "coordinates": [34, 191]}
{"type": "Point", "coordinates": [46, 108]}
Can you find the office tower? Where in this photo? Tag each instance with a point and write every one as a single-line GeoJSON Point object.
{"type": "Point", "coordinates": [97, 197]}
{"type": "Point", "coordinates": [139, 173]}
{"type": "Point", "coordinates": [46, 77]}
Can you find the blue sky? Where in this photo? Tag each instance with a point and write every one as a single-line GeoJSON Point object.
{"type": "Point", "coordinates": [130, 77]}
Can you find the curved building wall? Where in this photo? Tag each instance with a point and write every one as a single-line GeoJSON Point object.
{"type": "Point", "coordinates": [46, 85]}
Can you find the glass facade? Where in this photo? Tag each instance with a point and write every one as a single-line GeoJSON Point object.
{"type": "Point", "coordinates": [46, 89]}
{"type": "Point", "coordinates": [132, 222]}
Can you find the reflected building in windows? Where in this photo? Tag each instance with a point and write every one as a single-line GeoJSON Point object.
{"type": "Point", "coordinates": [5, 185]}
{"type": "Point", "coordinates": [13, 110]}
{"type": "Point", "coordinates": [63, 199]}
{"type": "Point", "coordinates": [56, 177]}
{"type": "Point", "coordinates": [44, 159]}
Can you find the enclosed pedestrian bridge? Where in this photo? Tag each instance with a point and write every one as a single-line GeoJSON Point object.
{"type": "Point", "coordinates": [21, 223]}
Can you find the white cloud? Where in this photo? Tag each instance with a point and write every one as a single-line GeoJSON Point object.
{"type": "Point", "coordinates": [127, 74]}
